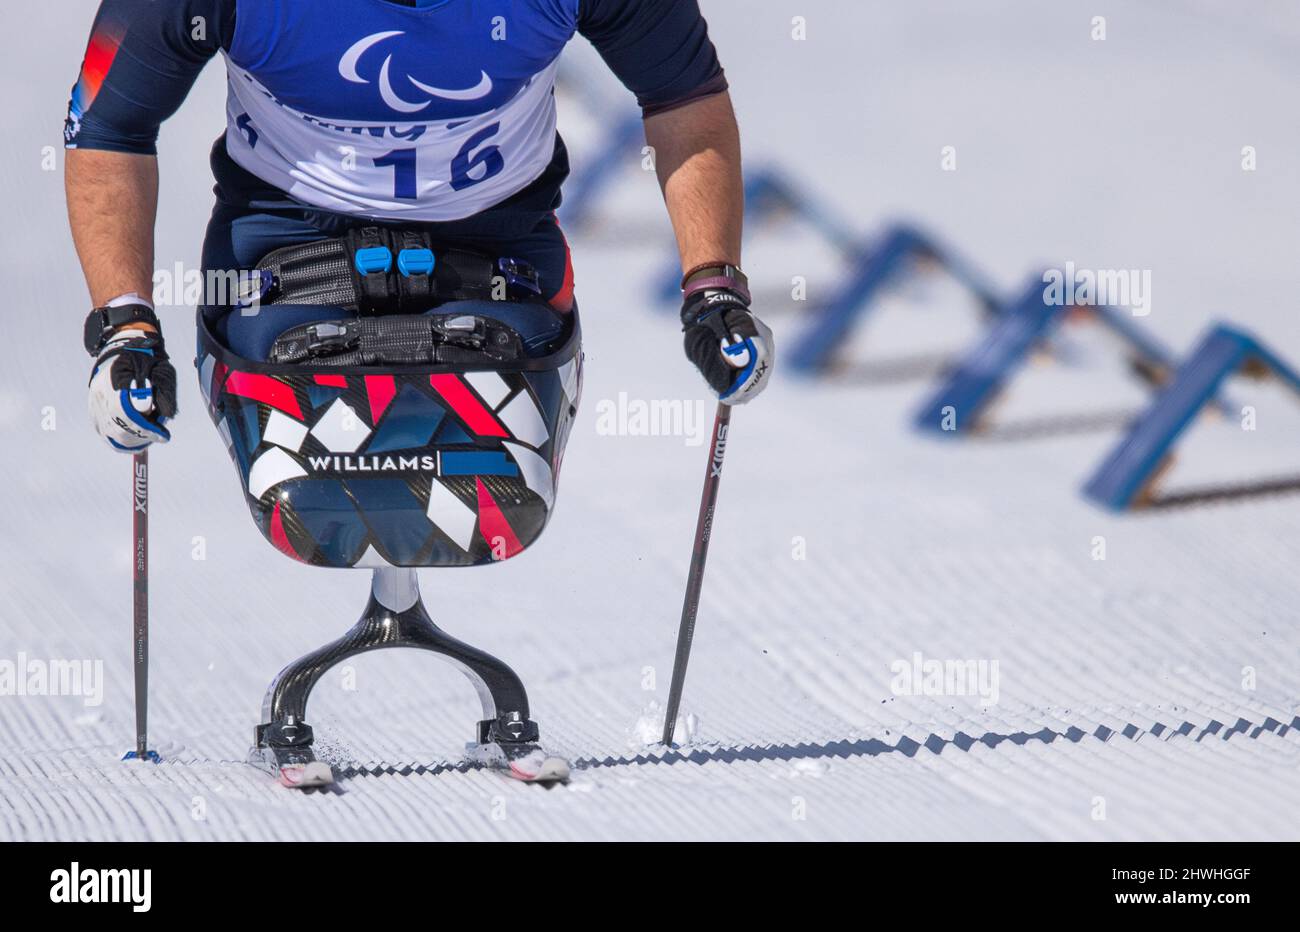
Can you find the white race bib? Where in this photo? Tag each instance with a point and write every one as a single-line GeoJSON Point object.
{"type": "Point", "coordinates": [420, 171]}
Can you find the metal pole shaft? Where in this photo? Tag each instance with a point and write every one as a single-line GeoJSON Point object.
{"type": "Point", "coordinates": [140, 629]}
{"type": "Point", "coordinates": [695, 579]}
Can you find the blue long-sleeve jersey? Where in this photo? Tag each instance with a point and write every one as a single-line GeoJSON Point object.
{"type": "Point", "coordinates": [419, 110]}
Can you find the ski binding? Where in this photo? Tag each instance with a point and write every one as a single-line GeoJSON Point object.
{"type": "Point", "coordinates": [528, 763]}
{"type": "Point", "coordinates": [296, 768]}
{"type": "Point", "coordinates": [284, 751]}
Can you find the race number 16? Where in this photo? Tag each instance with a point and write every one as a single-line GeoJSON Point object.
{"type": "Point", "coordinates": [468, 168]}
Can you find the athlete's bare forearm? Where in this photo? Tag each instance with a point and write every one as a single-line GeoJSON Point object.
{"type": "Point", "coordinates": [697, 157]}
{"type": "Point", "coordinates": [112, 205]}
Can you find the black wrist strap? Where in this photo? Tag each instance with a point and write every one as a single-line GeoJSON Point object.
{"type": "Point", "coordinates": [102, 321]}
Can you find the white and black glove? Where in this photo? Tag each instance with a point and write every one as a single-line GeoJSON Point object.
{"type": "Point", "coordinates": [732, 348]}
{"type": "Point", "coordinates": [132, 388]}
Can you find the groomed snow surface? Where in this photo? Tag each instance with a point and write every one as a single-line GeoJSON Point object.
{"type": "Point", "coordinates": [1152, 694]}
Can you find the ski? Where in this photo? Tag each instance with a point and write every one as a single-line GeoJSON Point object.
{"type": "Point", "coordinates": [528, 763]}
{"type": "Point", "coordinates": [295, 768]}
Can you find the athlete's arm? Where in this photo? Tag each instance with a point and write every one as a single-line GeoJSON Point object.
{"type": "Point", "coordinates": [660, 49]}
{"type": "Point", "coordinates": [112, 204]}
{"type": "Point", "coordinates": [142, 60]}
{"type": "Point", "coordinates": [697, 157]}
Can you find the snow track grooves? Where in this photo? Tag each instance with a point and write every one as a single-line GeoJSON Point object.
{"type": "Point", "coordinates": [866, 747]}
{"type": "Point", "coordinates": [1020, 785]}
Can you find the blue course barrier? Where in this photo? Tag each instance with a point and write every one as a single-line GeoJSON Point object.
{"type": "Point", "coordinates": [960, 402]}
{"type": "Point", "coordinates": [875, 267]}
{"type": "Point", "coordinates": [1125, 477]}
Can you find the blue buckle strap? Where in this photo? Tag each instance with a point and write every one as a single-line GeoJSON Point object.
{"type": "Point", "coordinates": [374, 260]}
{"type": "Point", "coordinates": [390, 270]}
{"type": "Point", "coordinates": [416, 262]}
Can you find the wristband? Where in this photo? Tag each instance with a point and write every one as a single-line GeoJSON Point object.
{"type": "Point", "coordinates": [102, 321]}
{"type": "Point", "coordinates": [715, 275]}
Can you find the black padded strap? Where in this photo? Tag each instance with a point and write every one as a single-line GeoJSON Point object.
{"type": "Point", "coordinates": [464, 274]}
{"type": "Point", "coordinates": [328, 272]}
{"type": "Point", "coordinates": [377, 291]}
{"type": "Point", "coordinates": [416, 287]}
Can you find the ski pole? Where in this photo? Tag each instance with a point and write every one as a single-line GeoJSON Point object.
{"type": "Point", "coordinates": [140, 628]}
{"type": "Point", "coordinates": [695, 579]}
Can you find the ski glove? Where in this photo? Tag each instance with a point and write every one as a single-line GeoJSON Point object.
{"type": "Point", "coordinates": [133, 391]}
{"type": "Point", "coordinates": [732, 348]}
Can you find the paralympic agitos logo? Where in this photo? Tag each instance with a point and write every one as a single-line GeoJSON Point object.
{"type": "Point", "coordinates": [350, 69]}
